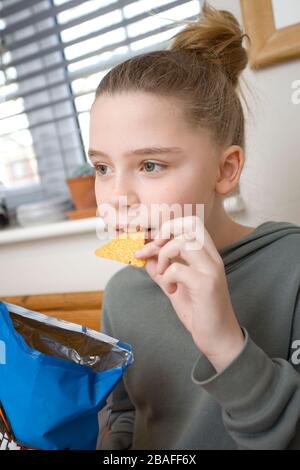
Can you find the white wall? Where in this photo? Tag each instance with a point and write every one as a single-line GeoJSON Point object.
{"type": "Point", "coordinates": [270, 182]}
{"type": "Point", "coordinates": [64, 263]}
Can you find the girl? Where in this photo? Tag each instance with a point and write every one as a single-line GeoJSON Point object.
{"type": "Point", "coordinates": [215, 331]}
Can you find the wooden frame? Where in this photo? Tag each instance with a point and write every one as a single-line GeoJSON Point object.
{"type": "Point", "coordinates": [268, 44]}
{"type": "Point", "coordinates": [84, 308]}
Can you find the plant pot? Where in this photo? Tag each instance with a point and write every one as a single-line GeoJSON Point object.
{"type": "Point", "coordinates": [82, 189]}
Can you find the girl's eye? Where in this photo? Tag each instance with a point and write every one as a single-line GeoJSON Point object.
{"type": "Point", "coordinates": [98, 169]}
{"type": "Point", "coordinates": [149, 163]}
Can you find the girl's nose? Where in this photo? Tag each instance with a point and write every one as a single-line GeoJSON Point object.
{"type": "Point", "coordinates": [124, 194]}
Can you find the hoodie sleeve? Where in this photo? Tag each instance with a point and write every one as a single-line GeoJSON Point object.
{"type": "Point", "coordinates": [259, 395]}
{"type": "Point", "coordinates": [118, 435]}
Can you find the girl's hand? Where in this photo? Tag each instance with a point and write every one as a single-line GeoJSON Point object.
{"type": "Point", "coordinates": [191, 273]}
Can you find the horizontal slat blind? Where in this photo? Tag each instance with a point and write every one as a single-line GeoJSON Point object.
{"type": "Point", "coordinates": [53, 55]}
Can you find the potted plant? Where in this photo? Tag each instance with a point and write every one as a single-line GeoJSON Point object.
{"type": "Point", "coordinates": [82, 187]}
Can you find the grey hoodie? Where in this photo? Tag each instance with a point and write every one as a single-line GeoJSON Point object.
{"type": "Point", "coordinates": [172, 397]}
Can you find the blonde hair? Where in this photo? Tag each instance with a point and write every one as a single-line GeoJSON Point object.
{"type": "Point", "coordinates": [201, 69]}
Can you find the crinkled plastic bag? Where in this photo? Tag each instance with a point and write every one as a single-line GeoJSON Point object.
{"type": "Point", "coordinates": [55, 377]}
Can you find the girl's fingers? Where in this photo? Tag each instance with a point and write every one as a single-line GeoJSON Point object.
{"type": "Point", "coordinates": [189, 229]}
{"type": "Point", "coordinates": [193, 227]}
{"type": "Point", "coordinates": [199, 259]}
{"type": "Point", "coordinates": [178, 272]}
{"type": "Point", "coordinates": [150, 249]}
{"type": "Point", "coordinates": [169, 229]}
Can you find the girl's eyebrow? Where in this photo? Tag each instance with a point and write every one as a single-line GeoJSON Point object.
{"type": "Point", "coordinates": [140, 152]}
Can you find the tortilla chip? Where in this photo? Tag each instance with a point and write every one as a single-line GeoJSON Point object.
{"type": "Point", "coordinates": [122, 248]}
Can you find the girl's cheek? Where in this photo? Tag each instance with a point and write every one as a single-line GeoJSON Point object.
{"type": "Point", "coordinates": [100, 195]}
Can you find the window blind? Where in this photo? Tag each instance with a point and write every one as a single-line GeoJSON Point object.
{"type": "Point", "coordinates": [53, 54]}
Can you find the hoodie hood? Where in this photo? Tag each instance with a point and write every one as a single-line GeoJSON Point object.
{"type": "Point", "coordinates": [263, 235]}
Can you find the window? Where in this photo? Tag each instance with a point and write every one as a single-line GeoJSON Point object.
{"type": "Point", "coordinates": [53, 54]}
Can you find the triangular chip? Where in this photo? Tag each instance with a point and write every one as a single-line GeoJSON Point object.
{"type": "Point", "coordinates": [123, 247]}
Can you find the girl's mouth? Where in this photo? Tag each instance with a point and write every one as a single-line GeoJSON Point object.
{"type": "Point", "coordinates": [120, 229]}
{"type": "Point", "coordinates": [149, 232]}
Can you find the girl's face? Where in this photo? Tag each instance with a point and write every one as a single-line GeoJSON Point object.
{"type": "Point", "coordinates": [121, 125]}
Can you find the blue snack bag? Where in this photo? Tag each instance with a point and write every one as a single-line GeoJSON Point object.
{"type": "Point", "coordinates": [55, 377]}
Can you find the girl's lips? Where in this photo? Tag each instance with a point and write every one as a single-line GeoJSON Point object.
{"type": "Point", "coordinates": [133, 228]}
{"type": "Point", "coordinates": [149, 234]}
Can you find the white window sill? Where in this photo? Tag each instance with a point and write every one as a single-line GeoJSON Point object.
{"type": "Point", "coordinates": [58, 229]}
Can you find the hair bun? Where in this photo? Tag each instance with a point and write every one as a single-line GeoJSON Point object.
{"type": "Point", "coordinates": [218, 37]}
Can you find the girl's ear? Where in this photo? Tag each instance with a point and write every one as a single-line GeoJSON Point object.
{"type": "Point", "coordinates": [229, 171]}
